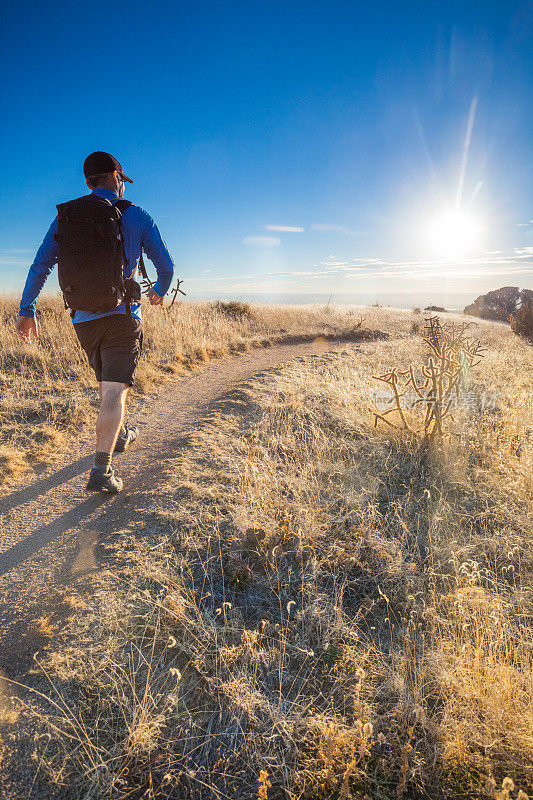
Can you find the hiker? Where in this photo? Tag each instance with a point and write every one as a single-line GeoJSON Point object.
{"type": "Point", "coordinates": [97, 241]}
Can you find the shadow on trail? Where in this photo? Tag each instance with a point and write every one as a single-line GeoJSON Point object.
{"type": "Point", "coordinates": [39, 488]}
{"type": "Point", "coordinates": [27, 631]}
{"type": "Point", "coordinates": [26, 548]}
{"type": "Point", "coordinates": [26, 634]}
{"type": "Point", "coordinates": [118, 507]}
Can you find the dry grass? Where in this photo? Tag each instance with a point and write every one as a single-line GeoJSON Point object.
{"type": "Point", "coordinates": [48, 390]}
{"type": "Point", "coordinates": [319, 609]}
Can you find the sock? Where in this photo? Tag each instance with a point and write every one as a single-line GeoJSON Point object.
{"type": "Point", "coordinates": [102, 460]}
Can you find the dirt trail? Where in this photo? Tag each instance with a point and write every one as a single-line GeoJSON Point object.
{"type": "Point", "coordinates": [51, 528]}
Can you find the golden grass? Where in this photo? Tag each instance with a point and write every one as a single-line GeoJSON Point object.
{"type": "Point", "coordinates": [48, 389]}
{"type": "Point", "coordinates": [319, 609]}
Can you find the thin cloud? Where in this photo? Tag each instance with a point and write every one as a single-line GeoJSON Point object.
{"type": "Point", "coordinates": [284, 228]}
{"type": "Point", "coordinates": [516, 266]}
{"type": "Point", "coordinates": [520, 262]}
{"type": "Point", "coordinates": [256, 286]}
{"type": "Point", "coordinates": [343, 229]}
{"type": "Point", "coordinates": [226, 278]}
{"type": "Point", "coordinates": [7, 260]}
{"type": "Point", "coordinates": [261, 241]}
{"type": "Point", "coordinates": [321, 226]}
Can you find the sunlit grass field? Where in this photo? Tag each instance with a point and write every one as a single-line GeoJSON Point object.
{"type": "Point", "coordinates": [48, 388]}
{"type": "Point", "coordinates": [320, 608]}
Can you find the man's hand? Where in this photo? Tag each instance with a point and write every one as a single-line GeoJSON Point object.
{"type": "Point", "coordinates": [25, 327]}
{"type": "Point", "coordinates": [154, 298]}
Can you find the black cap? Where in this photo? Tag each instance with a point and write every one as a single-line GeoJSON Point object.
{"type": "Point", "coordinates": [99, 162]}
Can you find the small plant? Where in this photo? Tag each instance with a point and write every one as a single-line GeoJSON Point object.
{"type": "Point", "coordinates": [331, 655]}
{"type": "Point", "coordinates": [234, 308]}
{"type": "Point", "coordinates": [264, 785]}
{"type": "Point", "coordinates": [327, 308]}
{"type": "Point", "coordinates": [452, 356]}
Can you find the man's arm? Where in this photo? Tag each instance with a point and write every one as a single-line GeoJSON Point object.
{"type": "Point", "coordinates": [157, 251]}
{"type": "Point", "coordinates": [41, 268]}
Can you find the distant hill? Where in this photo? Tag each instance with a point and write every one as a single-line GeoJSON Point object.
{"type": "Point", "coordinates": [499, 304]}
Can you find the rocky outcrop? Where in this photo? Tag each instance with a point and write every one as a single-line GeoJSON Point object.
{"type": "Point", "coordinates": [499, 305]}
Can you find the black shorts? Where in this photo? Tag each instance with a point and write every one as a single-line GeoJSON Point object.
{"type": "Point", "coordinates": [113, 345]}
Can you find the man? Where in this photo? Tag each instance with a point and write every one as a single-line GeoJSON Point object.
{"type": "Point", "coordinates": [112, 340]}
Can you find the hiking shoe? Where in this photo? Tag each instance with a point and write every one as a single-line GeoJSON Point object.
{"type": "Point", "coordinates": [102, 481]}
{"type": "Point", "coordinates": [125, 438]}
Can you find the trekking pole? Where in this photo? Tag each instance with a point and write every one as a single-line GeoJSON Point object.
{"type": "Point", "coordinates": [146, 283]}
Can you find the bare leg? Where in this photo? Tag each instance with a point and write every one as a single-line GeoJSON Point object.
{"type": "Point", "coordinates": [109, 422]}
{"type": "Point", "coordinates": [122, 384]}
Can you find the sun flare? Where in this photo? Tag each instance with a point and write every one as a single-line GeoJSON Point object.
{"type": "Point", "coordinates": [453, 233]}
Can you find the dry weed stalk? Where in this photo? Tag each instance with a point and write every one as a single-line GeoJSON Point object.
{"type": "Point", "coordinates": [436, 392]}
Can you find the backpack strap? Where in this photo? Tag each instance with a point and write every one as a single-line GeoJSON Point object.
{"type": "Point", "coordinates": [121, 205]}
{"type": "Point", "coordinates": [142, 268]}
{"type": "Point", "coordinates": [120, 227]}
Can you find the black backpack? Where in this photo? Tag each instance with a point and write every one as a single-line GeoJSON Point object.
{"type": "Point", "coordinates": [91, 254]}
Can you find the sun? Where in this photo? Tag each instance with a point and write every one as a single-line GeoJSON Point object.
{"type": "Point", "coordinates": [453, 233]}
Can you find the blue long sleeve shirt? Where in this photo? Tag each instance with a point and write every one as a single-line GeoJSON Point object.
{"type": "Point", "coordinates": [140, 231]}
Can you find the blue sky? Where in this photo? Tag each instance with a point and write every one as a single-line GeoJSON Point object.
{"type": "Point", "coordinates": [359, 125]}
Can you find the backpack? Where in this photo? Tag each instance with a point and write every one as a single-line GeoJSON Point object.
{"type": "Point", "coordinates": [91, 254]}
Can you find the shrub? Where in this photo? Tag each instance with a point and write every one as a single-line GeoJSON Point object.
{"type": "Point", "coordinates": [436, 391]}
{"type": "Point", "coordinates": [522, 321]}
{"type": "Point", "coordinates": [234, 309]}
{"type": "Point", "coordinates": [499, 305]}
